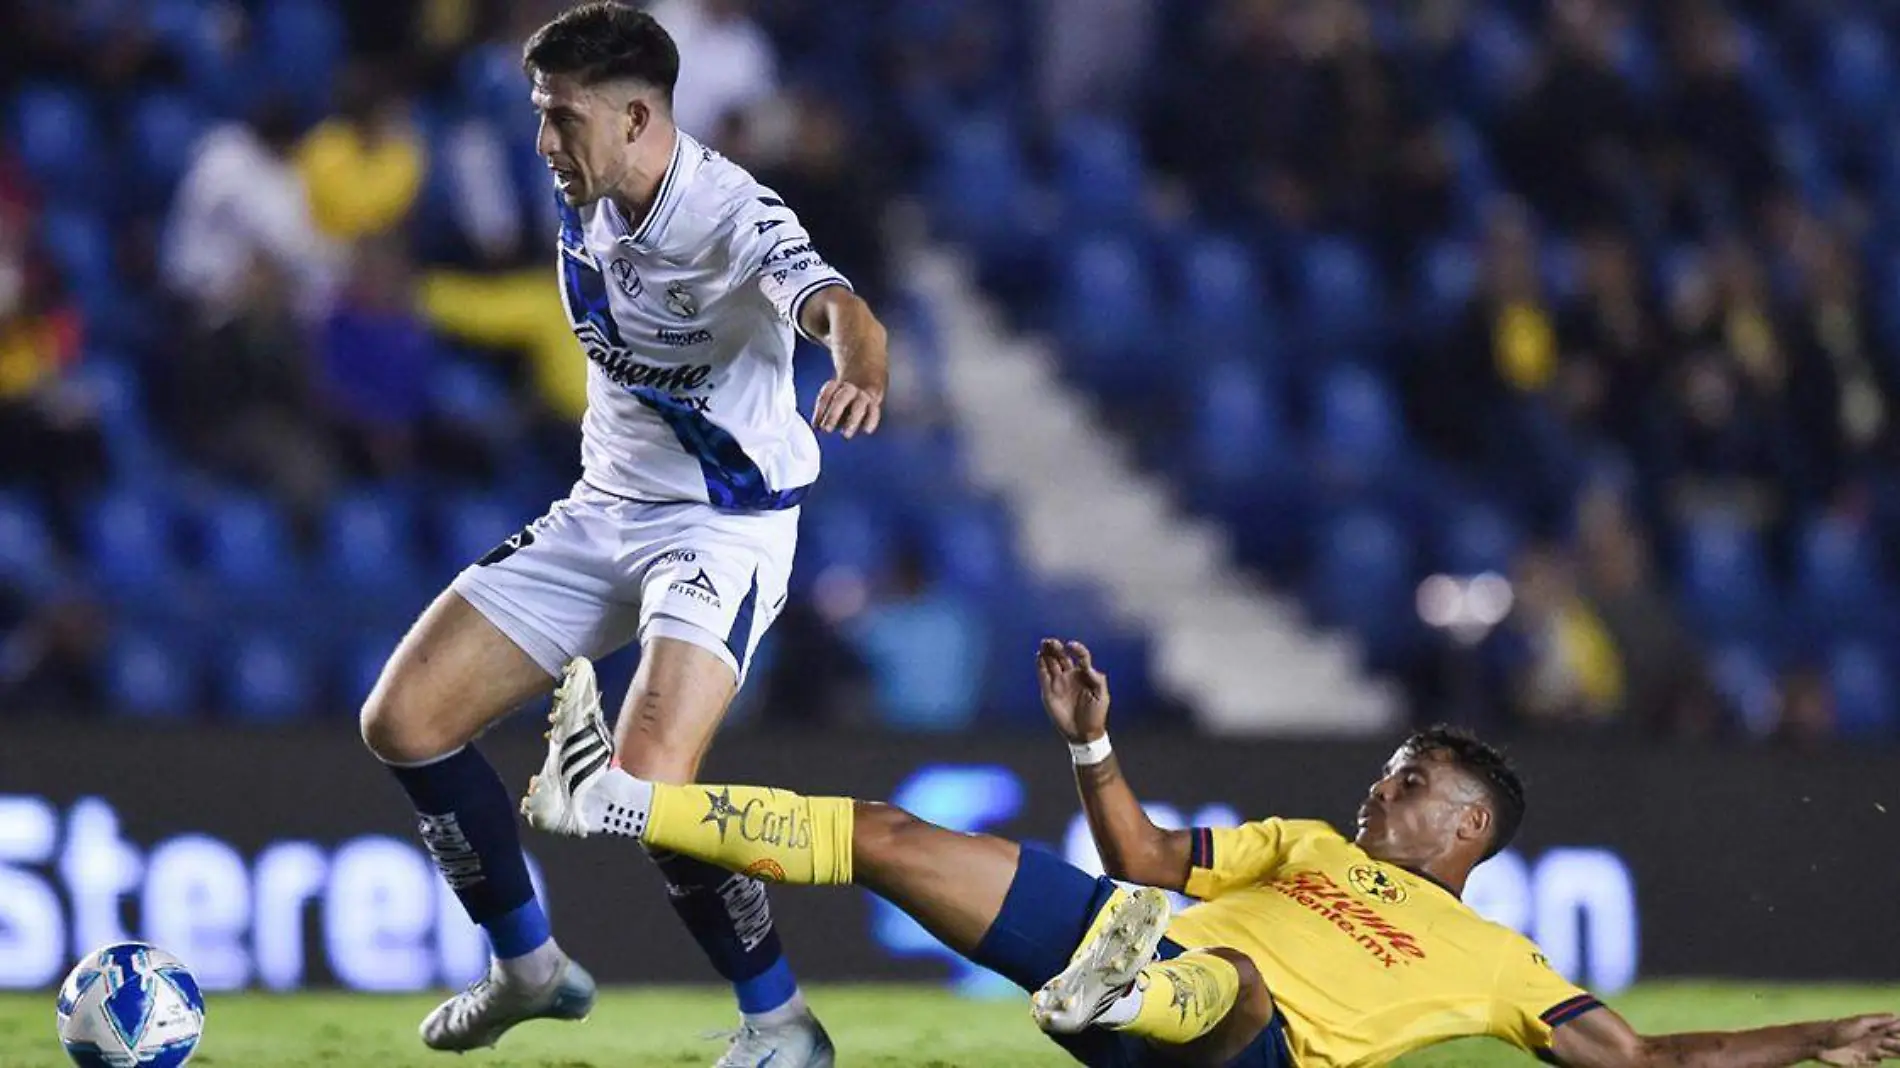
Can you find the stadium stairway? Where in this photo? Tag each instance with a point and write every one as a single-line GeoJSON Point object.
{"type": "Point", "coordinates": [1245, 659]}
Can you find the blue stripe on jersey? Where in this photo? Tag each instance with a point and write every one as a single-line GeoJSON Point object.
{"type": "Point", "coordinates": [583, 286]}
{"type": "Point", "coordinates": [732, 479]}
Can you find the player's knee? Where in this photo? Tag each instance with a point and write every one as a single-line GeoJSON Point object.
{"type": "Point", "coordinates": [1254, 1002]}
{"type": "Point", "coordinates": [399, 731]}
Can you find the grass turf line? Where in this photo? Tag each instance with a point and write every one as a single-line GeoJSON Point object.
{"type": "Point", "coordinates": [875, 1027]}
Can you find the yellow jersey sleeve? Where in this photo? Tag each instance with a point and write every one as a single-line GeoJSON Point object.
{"type": "Point", "coordinates": [1533, 1001]}
{"type": "Point", "coordinates": [1222, 858]}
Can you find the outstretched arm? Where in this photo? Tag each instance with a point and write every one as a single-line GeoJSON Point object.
{"type": "Point", "coordinates": [1602, 1039]}
{"type": "Point", "coordinates": [1133, 849]}
{"type": "Point", "coordinates": [854, 399]}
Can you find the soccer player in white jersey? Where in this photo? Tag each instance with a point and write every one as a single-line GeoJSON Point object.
{"type": "Point", "coordinates": [684, 279]}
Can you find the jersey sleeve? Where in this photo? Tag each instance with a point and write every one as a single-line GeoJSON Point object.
{"type": "Point", "coordinates": [772, 249]}
{"type": "Point", "coordinates": [1222, 858]}
{"type": "Point", "coordinates": [1533, 1001]}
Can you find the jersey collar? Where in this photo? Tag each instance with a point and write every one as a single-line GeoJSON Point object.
{"type": "Point", "coordinates": [664, 201]}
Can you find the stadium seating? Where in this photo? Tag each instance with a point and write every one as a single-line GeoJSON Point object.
{"type": "Point", "coordinates": [1265, 366]}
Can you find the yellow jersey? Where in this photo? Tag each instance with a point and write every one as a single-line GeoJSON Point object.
{"type": "Point", "coordinates": [1367, 961]}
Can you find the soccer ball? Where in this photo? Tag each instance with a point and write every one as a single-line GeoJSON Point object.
{"type": "Point", "coordinates": [130, 1006]}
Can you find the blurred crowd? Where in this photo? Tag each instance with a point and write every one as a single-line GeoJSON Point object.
{"type": "Point", "coordinates": [1596, 280]}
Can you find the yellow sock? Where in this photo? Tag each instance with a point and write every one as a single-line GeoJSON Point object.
{"type": "Point", "coordinates": [769, 834]}
{"type": "Point", "coordinates": [1182, 999]}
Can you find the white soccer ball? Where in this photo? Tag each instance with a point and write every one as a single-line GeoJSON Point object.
{"type": "Point", "coordinates": [130, 1006]}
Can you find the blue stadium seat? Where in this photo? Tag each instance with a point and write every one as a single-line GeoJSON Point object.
{"type": "Point", "coordinates": [1857, 76]}
{"type": "Point", "coordinates": [1724, 576]}
{"type": "Point", "coordinates": [369, 544]}
{"type": "Point", "coordinates": [979, 186]}
{"type": "Point", "coordinates": [1761, 68]}
{"type": "Point", "coordinates": [163, 131]}
{"type": "Point", "coordinates": [1447, 275]}
{"type": "Point", "coordinates": [1359, 432]}
{"type": "Point", "coordinates": [1477, 539]}
{"type": "Point", "coordinates": [463, 393]}
{"type": "Point", "coordinates": [1107, 316]}
{"type": "Point", "coordinates": [1837, 573]}
{"type": "Point", "coordinates": [1800, 152]}
{"type": "Point", "coordinates": [361, 665]}
{"type": "Point", "coordinates": [970, 544]}
{"type": "Point", "coordinates": [58, 138]}
{"type": "Point", "coordinates": [147, 675]}
{"type": "Point", "coordinates": [1224, 307]}
{"type": "Point", "coordinates": [1863, 692]}
{"type": "Point", "coordinates": [113, 381]}
{"type": "Point", "coordinates": [264, 678]}
{"type": "Point", "coordinates": [1342, 301]}
{"type": "Point", "coordinates": [845, 533]}
{"type": "Point", "coordinates": [131, 542]}
{"type": "Point", "coordinates": [299, 44]}
{"type": "Point", "coordinates": [1361, 579]}
{"type": "Point", "coordinates": [1498, 53]}
{"type": "Point", "coordinates": [80, 243]}
{"type": "Point", "coordinates": [29, 560]}
{"type": "Point", "coordinates": [1100, 176]}
{"type": "Point", "coordinates": [247, 547]}
{"type": "Point", "coordinates": [469, 525]}
{"type": "Point", "coordinates": [1745, 679]}
{"type": "Point", "coordinates": [194, 32]}
{"type": "Point", "coordinates": [1237, 430]}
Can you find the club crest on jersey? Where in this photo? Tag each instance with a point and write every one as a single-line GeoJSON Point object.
{"type": "Point", "coordinates": [1376, 884]}
{"type": "Point", "coordinates": [628, 278]}
{"type": "Point", "coordinates": [680, 302]}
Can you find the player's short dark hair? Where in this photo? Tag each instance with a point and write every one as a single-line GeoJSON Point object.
{"type": "Point", "coordinates": [602, 42]}
{"type": "Point", "coordinates": [1490, 767]}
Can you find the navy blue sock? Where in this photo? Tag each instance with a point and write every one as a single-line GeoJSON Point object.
{"type": "Point", "coordinates": [467, 821]}
{"type": "Point", "coordinates": [730, 918]}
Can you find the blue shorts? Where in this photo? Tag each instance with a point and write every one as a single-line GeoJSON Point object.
{"type": "Point", "coordinates": [1047, 911]}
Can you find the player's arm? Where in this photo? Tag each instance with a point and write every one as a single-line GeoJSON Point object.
{"type": "Point", "coordinates": [1133, 849]}
{"type": "Point", "coordinates": [840, 320]}
{"type": "Point", "coordinates": [1602, 1039]}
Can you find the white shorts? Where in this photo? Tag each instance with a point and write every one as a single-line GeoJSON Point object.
{"type": "Point", "coordinates": [599, 571]}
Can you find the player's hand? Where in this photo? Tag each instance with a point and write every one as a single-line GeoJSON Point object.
{"type": "Point", "coordinates": [1861, 1040]}
{"type": "Point", "coordinates": [847, 408]}
{"type": "Point", "coordinates": [1073, 693]}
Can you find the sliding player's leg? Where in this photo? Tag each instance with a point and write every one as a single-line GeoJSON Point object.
{"type": "Point", "coordinates": [1204, 1006]}
{"type": "Point", "coordinates": [1020, 912]}
{"type": "Point", "coordinates": [453, 675]}
{"type": "Point", "coordinates": [679, 696]}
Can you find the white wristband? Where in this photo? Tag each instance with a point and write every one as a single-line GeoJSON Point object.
{"type": "Point", "coordinates": [1087, 753]}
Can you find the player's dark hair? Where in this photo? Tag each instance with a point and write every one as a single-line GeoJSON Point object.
{"type": "Point", "coordinates": [1485, 763]}
{"type": "Point", "coordinates": [602, 42]}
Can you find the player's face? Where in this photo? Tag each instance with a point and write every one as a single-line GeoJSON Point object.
{"type": "Point", "coordinates": [586, 135]}
{"type": "Point", "coordinates": [1414, 812]}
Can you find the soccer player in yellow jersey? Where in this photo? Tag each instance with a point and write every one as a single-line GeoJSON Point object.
{"type": "Point", "coordinates": [1308, 949]}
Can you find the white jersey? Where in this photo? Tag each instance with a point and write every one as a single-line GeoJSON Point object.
{"type": "Point", "coordinates": [687, 322]}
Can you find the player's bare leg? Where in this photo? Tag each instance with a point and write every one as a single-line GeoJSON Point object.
{"type": "Point", "coordinates": [452, 676]}
{"type": "Point", "coordinates": [667, 723]}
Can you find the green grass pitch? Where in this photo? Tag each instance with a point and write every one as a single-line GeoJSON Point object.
{"type": "Point", "coordinates": [876, 1027]}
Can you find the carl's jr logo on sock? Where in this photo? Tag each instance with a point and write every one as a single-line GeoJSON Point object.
{"type": "Point", "coordinates": [458, 862]}
{"type": "Point", "coordinates": [758, 821]}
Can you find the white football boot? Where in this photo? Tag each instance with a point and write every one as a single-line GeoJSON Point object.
{"type": "Point", "coordinates": [580, 752]}
{"type": "Point", "coordinates": [477, 1017]}
{"type": "Point", "coordinates": [1119, 945]}
{"type": "Point", "coordinates": [797, 1043]}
